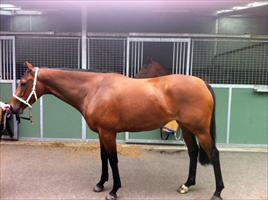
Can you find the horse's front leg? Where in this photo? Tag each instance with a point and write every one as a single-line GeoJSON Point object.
{"type": "Point", "coordinates": [108, 139]}
{"type": "Point", "coordinates": [104, 173]}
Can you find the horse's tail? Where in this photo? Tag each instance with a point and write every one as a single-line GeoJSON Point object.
{"type": "Point", "coordinates": [203, 157]}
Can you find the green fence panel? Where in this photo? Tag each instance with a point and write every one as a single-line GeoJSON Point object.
{"type": "Point", "coordinates": [60, 119]}
{"type": "Point", "coordinates": [91, 135]}
{"type": "Point", "coordinates": [148, 135]}
{"type": "Point", "coordinates": [221, 113]}
{"type": "Point", "coordinates": [249, 117]}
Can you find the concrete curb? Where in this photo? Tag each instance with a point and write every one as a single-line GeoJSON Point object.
{"type": "Point", "coordinates": [162, 148]}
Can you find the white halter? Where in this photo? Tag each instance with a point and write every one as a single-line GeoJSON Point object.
{"type": "Point", "coordinates": [33, 92]}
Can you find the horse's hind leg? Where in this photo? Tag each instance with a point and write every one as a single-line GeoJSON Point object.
{"type": "Point", "coordinates": [210, 148]}
{"type": "Point", "coordinates": [192, 147]}
{"type": "Point", "coordinates": [217, 172]}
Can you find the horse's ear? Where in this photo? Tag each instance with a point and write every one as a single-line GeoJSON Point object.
{"type": "Point", "coordinates": [29, 65]}
{"type": "Point", "coordinates": [149, 60]}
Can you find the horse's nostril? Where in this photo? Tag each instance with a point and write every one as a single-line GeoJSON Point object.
{"type": "Point", "coordinates": [14, 109]}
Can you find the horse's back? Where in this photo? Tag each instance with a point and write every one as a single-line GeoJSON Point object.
{"type": "Point", "coordinates": [184, 87]}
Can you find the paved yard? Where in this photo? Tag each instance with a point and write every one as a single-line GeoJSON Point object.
{"type": "Point", "coordinates": [58, 172]}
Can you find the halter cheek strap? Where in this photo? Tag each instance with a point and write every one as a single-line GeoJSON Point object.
{"type": "Point", "coordinates": [33, 92]}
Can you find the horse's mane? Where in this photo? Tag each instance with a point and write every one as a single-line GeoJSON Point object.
{"type": "Point", "coordinates": [81, 70]}
{"type": "Point", "coordinates": [73, 69]}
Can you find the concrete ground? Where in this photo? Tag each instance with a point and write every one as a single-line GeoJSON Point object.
{"type": "Point", "coordinates": [60, 171]}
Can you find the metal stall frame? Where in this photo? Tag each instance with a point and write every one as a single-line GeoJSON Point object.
{"type": "Point", "coordinates": [13, 80]}
{"type": "Point", "coordinates": [137, 48]}
{"type": "Point", "coordinates": [137, 37]}
{"type": "Point", "coordinates": [107, 38]}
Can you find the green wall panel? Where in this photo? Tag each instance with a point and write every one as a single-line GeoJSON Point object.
{"type": "Point", "coordinates": [5, 92]}
{"type": "Point", "coordinates": [147, 135]}
{"type": "Point", "coordinates": [60, 119]}
{"type": "Point", "coordinates": [93, 135]}
{"type": "Point", "coordinates": [27, 129]}
{"type": "Point", "coordinates": [249, 117]}
{"type": "Point", "coordinates": [221, 113]}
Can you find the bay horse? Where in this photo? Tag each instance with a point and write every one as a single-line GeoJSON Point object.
{"type": "Point", "coordinates": [112, 103]}
{"type": "Point", "coordinates": [152, 69]}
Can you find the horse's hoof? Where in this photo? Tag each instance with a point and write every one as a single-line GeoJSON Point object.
{"type": "Point", "coordinates": [214, 197]}
{"type": "Point", "coordinates": [111, 197]}
{"type": "Point", "coordinates": [183, 189]}
{"type": "Point", "coordinates": [98, 188]}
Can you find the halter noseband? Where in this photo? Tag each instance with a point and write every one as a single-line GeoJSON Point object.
{"type": "Point", "coordinates": [33, 92]}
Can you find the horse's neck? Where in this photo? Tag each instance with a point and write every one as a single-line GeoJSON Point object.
{"type": "Point", "coordinates": [70, 87]}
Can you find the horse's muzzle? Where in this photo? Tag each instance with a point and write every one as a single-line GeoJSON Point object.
{"type": "Point", "coordinates": [16, 110]}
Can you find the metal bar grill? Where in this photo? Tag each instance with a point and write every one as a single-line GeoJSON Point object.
{"type": "Point", "coordinates": [55, 52]}
{"type": "Point", "coordinates": [181, 57]}
{"type": "Point", "coordinates": [135, 58]}
{"type": "Point", "coordinates": [173, 57]}
{"type": "Point", "coordinates": [6, 62]}
{"type": "Point", "coordinates": [4, 59]}
{"type": "Point", "coordinates": [178, 52]}
{"type": "Point", "coordinates": [1, 70]}
{"type": "Point", "coordinates": [172, 53]}
{"type": "Point", "coordinates": [216, 60]}
{"type": "Point", "coordinates": [179, 60]}
{"type": "Point", "coordinates": [107, 54]}
{"type": "Point", "coordinates": [234, 61]}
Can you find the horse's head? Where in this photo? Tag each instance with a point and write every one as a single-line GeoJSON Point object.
{"type": "Point", "coordinates": [27, 91]}
{"type": "Point", "coordinates": [152, 69]}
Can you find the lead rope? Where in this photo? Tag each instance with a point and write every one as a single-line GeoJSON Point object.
{"type": "Point", "coordinates": [31, 115]}
{"type": "Point", "coordinates": [30, 118]}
